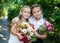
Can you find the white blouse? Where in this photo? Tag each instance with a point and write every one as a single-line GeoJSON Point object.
{"type": "Point", "coordinates": [36, 23]}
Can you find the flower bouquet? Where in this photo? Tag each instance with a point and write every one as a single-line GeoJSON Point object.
{"type": "Point", "coordinates": [46, 26]}
{"type": "Point", "coordinates": [27, 30]}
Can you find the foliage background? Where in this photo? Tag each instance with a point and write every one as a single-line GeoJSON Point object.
{"type": "Point", "coordinates": [51, 10]}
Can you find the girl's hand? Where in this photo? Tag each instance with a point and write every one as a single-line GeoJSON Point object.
{"type": "Point", "coordinates": [44, 35]}
{"type": "Point", "coordinates": [19, 35]}
{"type": "Point", "coordinates": [28, 37]}
{"type": "Point", "coordinates": [37, 35]}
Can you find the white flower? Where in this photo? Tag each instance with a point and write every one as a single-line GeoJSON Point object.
{"type": "Point", "coordinates": [31, 34]}
{"type": "Point", "coordinates": [24, 31]}
{"type": "Point", "coordinates": [29, 29]}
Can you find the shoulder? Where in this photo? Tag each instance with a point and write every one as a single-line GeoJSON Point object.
{"type": "Point", "coordinates": [15, 19]}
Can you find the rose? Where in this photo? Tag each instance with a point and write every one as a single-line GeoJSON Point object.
{"type": "Point", "coordinates": [48, 25]}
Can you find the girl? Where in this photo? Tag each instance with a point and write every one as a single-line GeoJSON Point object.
{"type": "Point", "coordinates": [37, 20]}
{"type": "Point", "coordinates": [23, 17]}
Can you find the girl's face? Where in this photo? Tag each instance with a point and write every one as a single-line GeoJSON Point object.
{"type": "Point", "coordinates": [36, 11]}
{"type": "Point", "coordinates": [26, 13]}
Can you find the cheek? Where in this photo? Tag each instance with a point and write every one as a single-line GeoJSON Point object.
{"type": "Point", "coordinates": [36, 15]}
{"type": "Point", "coordinates": [28, 14]}
{"type": "Point", "coordinates": [23, 14]}
{"type": "Point", "coordinates": [40, 12]}
{"type": "Point", "coordinates": [33, 14]}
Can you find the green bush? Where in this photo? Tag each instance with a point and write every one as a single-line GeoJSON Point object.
{"type": "Point", "coordinates": [51, 11]}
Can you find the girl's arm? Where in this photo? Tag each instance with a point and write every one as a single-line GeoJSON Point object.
{"type": "Point", "coordinates": [13, 29]}
{"type": "Point", "coordinates": [44, 35]}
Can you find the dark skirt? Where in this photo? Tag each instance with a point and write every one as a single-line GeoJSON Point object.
{"type": "Point", "coordinates": [38, 41]}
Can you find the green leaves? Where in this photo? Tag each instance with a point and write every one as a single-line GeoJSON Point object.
{"type": "Point", "coordinates": [51, 11]}
{"type": "Point", "coordinates": [42, 29]}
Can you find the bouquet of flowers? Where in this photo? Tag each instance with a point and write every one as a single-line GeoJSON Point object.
{"type": "Point", "coordinates": [27, 30]}
{"type": "Point", "coordinates": [44, 27]}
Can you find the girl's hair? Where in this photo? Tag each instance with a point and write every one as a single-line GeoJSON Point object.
{"type": "Point", "coordinates": [21, 10]}
{"type": "Point", "coordinates": [35, 5]}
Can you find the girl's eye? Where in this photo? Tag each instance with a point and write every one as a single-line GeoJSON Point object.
{"type": "Point", "coordinates": [34, 12]}
{"type": "Point", "coordinates": [37, 11]}
{"type": "Point", "coordinates": [25, 12]}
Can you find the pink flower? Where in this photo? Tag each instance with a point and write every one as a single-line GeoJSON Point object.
{"type": "Point", "coordinates": [50, 28]}
{"type": "Point", "coordinates": [32, 25]}
{"type": "Point", "coordinates": [48, 25]}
